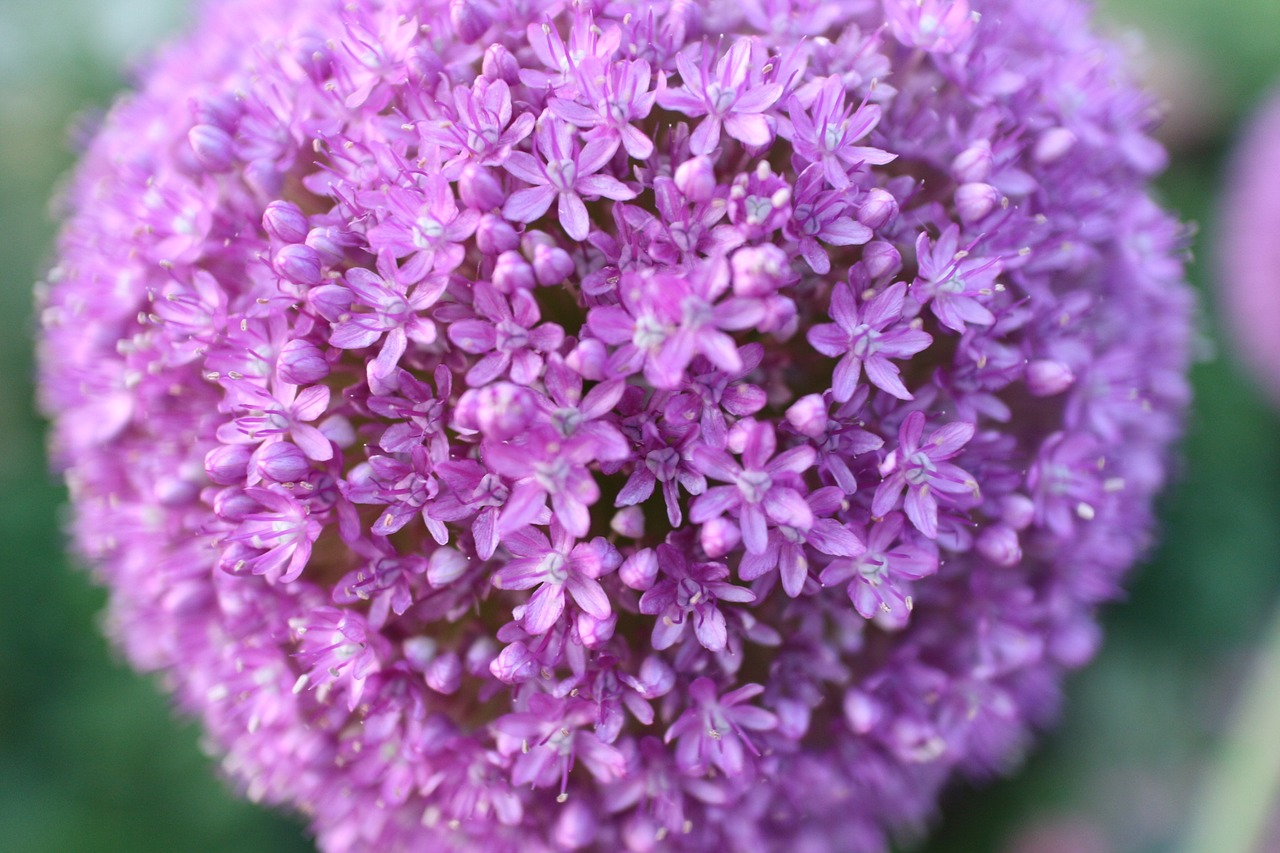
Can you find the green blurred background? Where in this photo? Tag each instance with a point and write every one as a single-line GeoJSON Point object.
{"type": "Point", "coordinates": [92, 760]}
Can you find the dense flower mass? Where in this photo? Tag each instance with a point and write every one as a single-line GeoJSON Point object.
{"type": "Point", "coordinates": [677, 426]}
{"type": "Point", "coordinates": [1248, 251]}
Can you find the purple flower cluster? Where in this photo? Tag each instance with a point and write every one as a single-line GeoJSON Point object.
{"type": "Point", "coordinates": [676, 426]}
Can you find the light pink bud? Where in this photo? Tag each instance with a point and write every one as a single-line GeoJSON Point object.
{"type": "Point", "coordinates": [301, 362]}
{"type": "Point", "coordinates": [999, 544]}
{"type": "Point", "coordinates": [503, 410]}
{"type": "Point", "coordinates": [479, 189]}
{"type": "Point", "coordinates": [445, 566]}
{"type": "Point", "coordinates": [719, 536]}
{"type": "Point", "coordinates": [696, 179]}
{"type": "Point", "coordinates": [214, 148]}
{"type": "Point", "coordinates": [499, 64]}
{"type": "Point", "coordinates": [878, 208]}
{"type": "Point", "coordinates": [331, 242]}
{"type": "Point", "coordinates": [576, 826]}
{"type": "Point", "coordinates": [640, 570]}
{"type": "Point", "coordinates": [861, 711]}
{"type": "Point", "coordinates": [588, 359]}
{"type": "Point", "coordinates": [227, 464]}
{"type": "Point", "coordinates": [976, 200]}
{"type": "Point", "coordinates": [1017, 511]}
{"type": "Point", "coordinates": [513, 273]}
{"type": "Point", "coordinates": [285, 221]}
{"type": "Point", "coordinates": [881, 259]}
{"type": "Point", "coordinates": [299, 264]}
{"type": "Point", "coordinates": [281, 461]}
{"type": "Point", "coordinates": [514, 664]}
{"type": "Point", "coordinates": [808, 415]}
{"type": "Point", "coordinates": [444, 674]}
{"type": "Point", "coordinates": [470, 20]}
{"type": "Point", "coordinates": [759, 270]}
{"type": "Point", "coordinates": [419, 652]}
{"type": "Point", "coordinates": [1046, 377]}
{"type": "Point", "coordinates": [628, 522]}
{"type": "Point", "coordinates": [1053, 144]}
{"type": "Point", "coordinates": [551, 265]}
{"type": "Point", "coordinates": [973, 165]}
{"type": "Point", "coordinates": [494, 235]}
{"type": "Point", "coordinates": [596, 632]}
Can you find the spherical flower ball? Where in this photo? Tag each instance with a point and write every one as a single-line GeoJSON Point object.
{"type": "Point", "coordinates": [1248, 251]}
{"type": "Point", "coordinates": [678, 426]}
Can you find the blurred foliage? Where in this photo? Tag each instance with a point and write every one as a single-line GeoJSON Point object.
{"type": "Point", "coordinates": [91, 758]}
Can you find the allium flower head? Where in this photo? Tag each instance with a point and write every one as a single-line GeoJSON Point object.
{"type": "Point", "coordinates": [686, 426]}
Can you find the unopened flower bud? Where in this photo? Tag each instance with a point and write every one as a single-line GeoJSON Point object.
{"type": "Point", "coordinates": [445, 565]}
{"type": "Point", "coordinates": [878, 208]}
{"type": "Point", "coordinates": [494, 235]}
{"type": "Point", "coordinates": [809, 415]}
{"type": "Point", "coordinates": [696, 179]}
{"type": "Point", "coordinates": [640, 570]}
{"type": "Point", "coordinates": [881, 259]}
{"type": "Point", "coordinates": [551, 265]}
{"type": "Point", "coordinates": [301, 362]}
{"type": "Point", "coordinates": [500, 411]}
{"type": "Point", "coordinates": [299, 263]}
{"type": "Point", "coordinates": [1017, 511]}
{"type": "Point", "coordinates": [596, 632]}
{"type": "Point", "coordinates": [281, 461]}
{"type": "Point", "coordinates": [999, 544]}
{"type": "Point", "coordinates": [213, 147]}
{"type": "Point", "coordinates": [976, 200]}
{"type": "Point", "coordinates": [499, 64]}
{"type": "Point", "coordinates": [1046, 377]}
{"type": "Point", "coordinates": [576, 826]}
{"type": "Point", "coordinates": [628, 522]}
{"type": "Point", "coordinates": [514, 664]}
{"type": "Point", "coordinates": [759, 270]}
{"type": "Point", "coordinates": [513, 273]}
{"type": "Point", "coordinates": [470, 20]}
{"type": "Point", "coordinates": [479, 188]}
{"type": "Point", "coordinates": [973, 165]}
{"type": "Point", "coordinates": [444, 674]}
{"type": "Point", "coordinates": [331, 242]}
{"type": "Point", "coordinates": [861, 711]}
{"type": "Point", "coordinates": [588, 359]}
{"type": "Point", "coordinates": [227, 464]}
{"type": "Point", "coordinates": [719, 536]}
{"type": "Point", "coordinates": [1053, 144]}
{"type": "Point", "coordinates": [285, 221]}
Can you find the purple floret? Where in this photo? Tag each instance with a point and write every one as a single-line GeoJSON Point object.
{"type": "Point", "coordinates": [535, 426]}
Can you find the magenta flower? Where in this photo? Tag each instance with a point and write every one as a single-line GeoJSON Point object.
{"type": "Point", "coordinates": [564, 174]}
{"type": "Point", "coordinates": [727, 96]}
{"type": "Point", "coordinates": [868, 338]}
{"type": "Point", "coordinates": [919, 467]}
{"type": "Point", "coordinates": [540, 426]}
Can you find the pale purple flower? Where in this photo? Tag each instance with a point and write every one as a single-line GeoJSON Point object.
{"type": "Point", "coordinates": [687, 597]}
{"type": "Point", "coordinates": [727, 95]}
{"type": "Point", "coordinates": [715, 731]}
{"type": "Point", "coordinates": [919, 466]}
{"type": "Point", "coordinates": [868, 338]}
{"type": "Point", "coordinates": [763, 489]}
{"type": "Point", "coordinates": [552, 567]}
{"type": "Point", "coordinates": [562, 173]}
{"type": "Point", "coordinates": [508, 336]}
{"type": "Point", "coordinates": [824, 133]}
{"type": "Point", "coordinates": [878, 578]}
